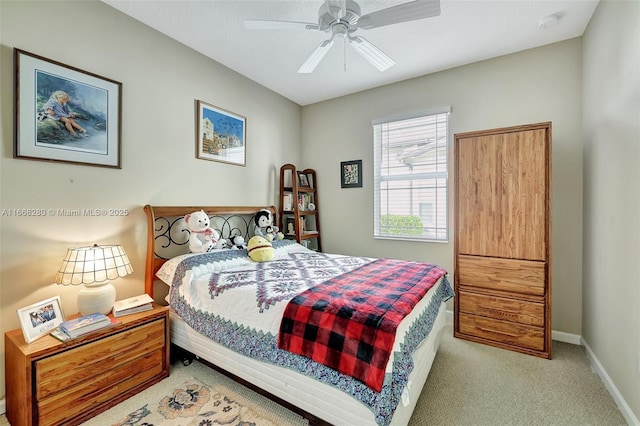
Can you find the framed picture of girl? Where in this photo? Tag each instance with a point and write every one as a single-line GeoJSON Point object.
{"type": "Point", "coordinates": [65, 114]}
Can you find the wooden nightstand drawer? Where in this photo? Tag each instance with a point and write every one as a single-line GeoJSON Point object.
{"type": "Point", "coordinates": [503, 332]}
{"type": "Point", "coordinates": [101, 388]}
{"type": "Point", "coordinates": [88, 362]}
{"type": "Point", "coordinates": [51, 382]}
{"type": "Point", "coordinates": [520, 311]}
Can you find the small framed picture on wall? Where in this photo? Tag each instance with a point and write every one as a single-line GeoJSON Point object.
{"type": "Point", "coordinates": [351, 174]}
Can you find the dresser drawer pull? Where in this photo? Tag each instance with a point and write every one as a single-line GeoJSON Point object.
{"type": "Point", "coordinates": [498, 332]}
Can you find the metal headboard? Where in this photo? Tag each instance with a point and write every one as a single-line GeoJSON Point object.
{"type": "Point", "coordinates": [168, 235]}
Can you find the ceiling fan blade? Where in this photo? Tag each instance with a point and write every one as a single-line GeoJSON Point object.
{"type": "Point", "coordinates": [261, 24]}
{"type": "Point", "coordinates": [418, 9]}
{"type": "Point", "coordinates": [314, 59]}
{"type": "Point", "coordinates": [375, 56]}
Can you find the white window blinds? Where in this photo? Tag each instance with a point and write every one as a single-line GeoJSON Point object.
{"type": "Point", "coordinates": [411, 177]}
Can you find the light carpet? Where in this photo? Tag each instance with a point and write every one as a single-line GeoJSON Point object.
{"type": "Point", "coordinates": [474, 384]}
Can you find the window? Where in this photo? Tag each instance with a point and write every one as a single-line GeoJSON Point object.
{"type": "Point", "coordinates": [411, 177]}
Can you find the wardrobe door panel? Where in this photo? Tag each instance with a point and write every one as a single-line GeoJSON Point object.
{"type": "Point", "coordinates": [502, 196]}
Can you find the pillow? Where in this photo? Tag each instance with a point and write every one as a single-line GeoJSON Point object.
{"type": "Point", "coordinates": [168, 268]}
{"type": "Point", "coordinates": [212, 260]}
{"type": "Point", "coordinates": [221, 257]}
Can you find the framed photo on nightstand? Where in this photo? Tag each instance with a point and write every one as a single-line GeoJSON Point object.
{"type": "Point", "coordinates": [40, 318]}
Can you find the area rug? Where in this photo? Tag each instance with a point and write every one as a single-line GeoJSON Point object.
{"type": "Point", "coordinates": [211, 400]}
{"type": "Point", "coordinates": [194, 404]}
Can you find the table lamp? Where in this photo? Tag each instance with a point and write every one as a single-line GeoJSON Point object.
{"type": "Point", "coordinates": [94, 267]}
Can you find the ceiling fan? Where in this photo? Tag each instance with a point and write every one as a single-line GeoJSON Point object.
{"type": "Point", "coordinates": [341, 18]}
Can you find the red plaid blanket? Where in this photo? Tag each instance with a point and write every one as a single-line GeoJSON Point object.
{"type": "Point", "coordinates": [349, 322]}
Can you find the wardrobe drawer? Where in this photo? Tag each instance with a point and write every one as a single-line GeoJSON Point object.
{"type": "Point", "coordinates": [520, 311]}
{"type": "Point", "coordinates": [510, 275]}
{"type": "Point", "coordinates": [504, 332]}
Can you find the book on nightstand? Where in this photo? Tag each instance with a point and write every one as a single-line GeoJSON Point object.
{"type": "Point", "coordinates": [132, 305]}
{"type": "Point", "coordinates": [63, 335]}
{"type": "Point", "coordinates": [85, 324]}
{"type": "Point", "coordinates": [59, 334]}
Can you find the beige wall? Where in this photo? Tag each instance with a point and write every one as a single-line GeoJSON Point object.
{"type": "Point", "coordinates": [543, 84]}
{"type": "Point", "coordinates": [161, 82]}
{"type": "Point", "coordinates": [162, 79]}
{"type": "Point", "coordinates": [611, 263]}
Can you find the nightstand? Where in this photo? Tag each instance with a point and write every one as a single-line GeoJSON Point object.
{"type": "Point", "coordinates": [50, 382]}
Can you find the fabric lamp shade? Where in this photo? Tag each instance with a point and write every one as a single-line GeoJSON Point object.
{"type": "Point", "coordinates": [94, 267]}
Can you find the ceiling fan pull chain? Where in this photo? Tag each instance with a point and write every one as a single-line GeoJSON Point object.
{"type": "Point", "coordinates": [344, 54]}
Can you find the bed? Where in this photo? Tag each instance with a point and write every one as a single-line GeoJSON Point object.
{"type": "Point", "coordinates": [228, 311]}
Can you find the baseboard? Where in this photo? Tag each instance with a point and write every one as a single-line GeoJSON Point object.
{"type": "Point", "coordinates": [624, 408]}
{"type": "Point", "coordinates": [561, 336]}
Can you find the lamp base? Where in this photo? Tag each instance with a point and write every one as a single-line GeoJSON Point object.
{"type": "Point", "coordinates": [96, 299]}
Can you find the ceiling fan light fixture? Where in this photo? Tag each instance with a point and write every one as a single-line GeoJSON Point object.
{"type": "Point", "coordinates": [339, 30]}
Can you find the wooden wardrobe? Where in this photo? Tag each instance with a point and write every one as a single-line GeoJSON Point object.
{"type": "Point", "coordinates": [502, 241]}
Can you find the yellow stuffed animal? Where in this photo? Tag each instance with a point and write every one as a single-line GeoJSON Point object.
{"type": "Point", "coordinates": [260, 249]}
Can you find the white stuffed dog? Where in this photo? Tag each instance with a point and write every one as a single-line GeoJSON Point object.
{"type": "Point", "coordinates": [203, 238]}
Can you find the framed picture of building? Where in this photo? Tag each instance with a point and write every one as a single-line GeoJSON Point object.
{"type": "Point", "coordinates": [221, 135]}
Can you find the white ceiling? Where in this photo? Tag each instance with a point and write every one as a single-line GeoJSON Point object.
{"type": "Point", "coordinates": [466, 31]}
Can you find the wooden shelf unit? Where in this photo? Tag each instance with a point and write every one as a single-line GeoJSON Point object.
{"type": "Point", "coordinates": [50, 382]}
{"type": "Point", "coordinates": [297, 220]}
